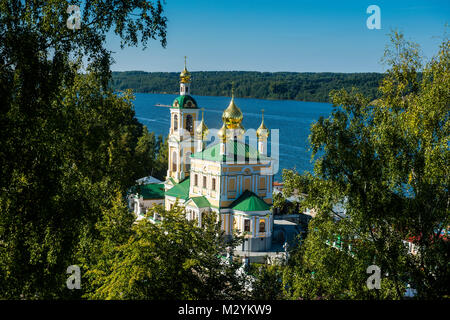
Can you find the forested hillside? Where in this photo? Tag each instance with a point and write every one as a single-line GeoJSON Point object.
{"type": "Point", "coordinates": [249, 84]}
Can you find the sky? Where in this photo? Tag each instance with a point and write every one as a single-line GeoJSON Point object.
{"type": "Point", "coordinates": [283, 35]}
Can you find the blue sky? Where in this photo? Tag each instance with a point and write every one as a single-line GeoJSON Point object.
{"type": "Point", "coordinates": [283, 35]}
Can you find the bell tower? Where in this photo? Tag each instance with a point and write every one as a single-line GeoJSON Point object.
{"type": "Point", "coordinates": [183, 116]}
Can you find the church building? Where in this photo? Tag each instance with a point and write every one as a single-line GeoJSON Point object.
{"type": "Point", "coordinates": [229, 178]}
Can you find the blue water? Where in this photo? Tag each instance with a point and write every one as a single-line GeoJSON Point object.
{"type": "Point", "coordinates": [292, 118]}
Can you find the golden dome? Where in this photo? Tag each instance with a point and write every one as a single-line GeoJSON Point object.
{"type": "Point", "coordinates": [202, 129]}
{"type": "Point", "coordinates": [222, 134]}
{"type": "Point", "coordinates": [232, 116]}
{"type": "Point", "coordinates": [185, 75]}
{"type": "Point", "coordinates": [262, 131]}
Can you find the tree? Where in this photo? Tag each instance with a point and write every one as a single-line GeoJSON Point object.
{"type": "Point", "coordinates": [268, 284]}
{"type": "Point", "coordinates": [162, 158]}
{"type": "Point", "coordinates": [386, 163]}
{"type": "Point", "coordinates": [250, 84]}
{"type": "Point", "coordinates": [173, 259]}
{"type": "Point", "coordinates": [146, 152]}
{"type": "Point", "coordinates": [67, 140]}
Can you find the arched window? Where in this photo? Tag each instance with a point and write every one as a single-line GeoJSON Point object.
{"type": "Point", "coordinates": [187, 161]}
{"type": "Point", "coordinates": [262, 226]}
{"type": "Point", "coordinates": [175, 122]}
{"type": "Point", "coordinates": [213, 187]}
{"type": "Point", "coordinates": [247, 225]}
{"type": "Point", "coordinates": [174, 161]}
{"type": "Point", "coordinates": [189, 124]}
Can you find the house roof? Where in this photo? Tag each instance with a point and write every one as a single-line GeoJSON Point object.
{"type": "Point", "coordinates": [248, 201]}
{"type": "Point", "coordinates": [180, 190]}
{"type": "Point", "coordinates": [150, 191]}
{"type": "Point", "coordinates": [201, 202]}
{"type": "Point", "coordinates": [170, 180]}
{"type": "Point", "coordinates": [235, 150]}
{"type": "Point", "coordinates": [147, 180]}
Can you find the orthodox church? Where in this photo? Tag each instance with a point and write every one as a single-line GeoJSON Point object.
{"type": "Point", "coordinates": [230, 177]}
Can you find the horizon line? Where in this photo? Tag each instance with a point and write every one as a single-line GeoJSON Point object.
{"type": "Point", "coordinates": [344, 72]}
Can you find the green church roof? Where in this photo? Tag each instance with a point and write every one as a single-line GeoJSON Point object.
{"type": "Point", "coordinates": [183, 102]}
{"type": "Point", "coordinates": [201, 202]}
{"type": "Point", "coordinates": [180, 190]}
{"type": "Point", "coordinates": [150, 191]}
{"type": "Point", "coordinates": [248, 201]}
{"type": "Point", "coordinates": [242, 152]}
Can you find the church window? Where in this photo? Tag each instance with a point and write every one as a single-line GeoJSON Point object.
{"type": "Point", "coordinates": [246, 225]}
{"type": "Point", "coordinates": [189, 124]}
{"type": "Point", "coordinates": [204, 182]}
{"type": "Point", "coordinates": [231, 185]}
{"type": "Point", "coordinates": [174, 161]}
{"type": "Point", "coordinates": [262, 183]}
{"type": "Point", "coordinates": [187, 161]}
{"type": "Point", "coordinates": [247, 184]}
{"type": "Point", "coordinates": [175, 122]}
{"type": "Point", "coordinates": [262, 226]}
{"type": "Point", "coordinates": [196, 180]}
{"type": "Point", "coordinates": [214, 184]}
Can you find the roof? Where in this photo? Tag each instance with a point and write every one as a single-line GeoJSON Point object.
{"type": "Point", "coordinates": [180, 190]}
{"type": "Point", "coordinates": [182, 102]}
{"type": "Point", "coordinates": [170, 180]}
{"type": "Point", "coordinates": [232, 112]}
{"type": "Point", "coordinates": [248, 201]}
{"type": "Point", "coordinates": [147, 180]}
{"type": "Point", "coordinates": [243, 152]}
{"type": "Point", "coordinates": [201, 202]}
{"type": "Point", "coordinates": [150, 191]}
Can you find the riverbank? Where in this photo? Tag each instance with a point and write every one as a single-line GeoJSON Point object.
{"type": "Point", "coordinates": [307, 87]}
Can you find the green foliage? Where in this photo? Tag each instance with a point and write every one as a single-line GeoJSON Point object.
{"type": "Point", "coordinates": [268, 284]}
{"type": "Point", "coordinates": [174, 259]}
{"type": "Point", "coordinates": [386, 164]}
{"type": "Point", "coordinates": [279, 203]}
{"type": "Point", "coordinates": [68, 143]}
{"type": "Point", "coordinates": [283, 206]}
{"type": "Point", "coordinates": [265, 85]}
{"type": "Point", "coordinates": [151, 155]}
{"type": "Point", "coordinates": [325, 267]}
{"type": "Point", "coordinates": [162, 158]}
